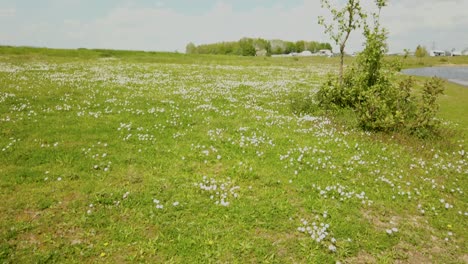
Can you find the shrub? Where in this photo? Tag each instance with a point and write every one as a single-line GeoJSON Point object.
{"type": "Point", "coordinates": [421, 51]}
{"type": "Point", "coordinates": [428, 108]}
{"type": "Point", "coordinates": [302, 103]}
{"type": "Point", "coordinates": [381, 102]}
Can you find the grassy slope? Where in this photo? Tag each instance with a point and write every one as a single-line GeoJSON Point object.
{"type": "Point", "coordinates": [68, 161]}
{"type": "Point", "coordinates": [413, 62]}
{"type": "Point", "coordinates": [454, 106]}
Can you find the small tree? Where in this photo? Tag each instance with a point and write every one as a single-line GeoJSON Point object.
{"type": "Point", "coordinates": [191, 48]}
{"type": "Point", "coordinates": [300, 46]}
{"type": "Point", "coordinates": [247, 47]}
{"type": "Point", "coordinates": [371, 89]}
{"type": "Point", "coordinates": [345, 20]}
{"type": "Point", "coordinates": [420, 52]}
{"type": "Point", "coordinates": [407, 53]}
{"type": "Point", "coordinates": [262, 45]}
{"type": "Point", "coordinates": [290, 47]}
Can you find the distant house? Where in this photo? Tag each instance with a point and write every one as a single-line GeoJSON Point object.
{"type": "Point", "coordinates": [280, 55]}
{"type": "Point", "coordinates": [306, 53]}
{"type": "Point", "coordinates": [325, 52]}
{"type": "Point", "coordinates": [437, 53]}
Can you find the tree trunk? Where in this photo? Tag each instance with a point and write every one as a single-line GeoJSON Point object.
{"type": "Point", "coordinates": [341, 64]}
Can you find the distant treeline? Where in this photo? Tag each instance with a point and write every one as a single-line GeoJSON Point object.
{"type": "Point", "coordinates": [253, 47]}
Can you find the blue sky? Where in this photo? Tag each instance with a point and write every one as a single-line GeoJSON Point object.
{"type": "Point", "coordinates": [170, 25]}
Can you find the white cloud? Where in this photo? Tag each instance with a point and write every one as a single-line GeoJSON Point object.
{"type": "Point", "coordinates": [7, 12]}
{"type": "Point", "coordinates": [427, 21]}
{"type": "Point", "coordinates": [160, 28]}
{"type": "Point", "coordinates": [165, 29]}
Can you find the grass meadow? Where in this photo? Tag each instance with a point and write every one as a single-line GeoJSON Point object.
{"type": "Point", "coordinates": [114, 157]}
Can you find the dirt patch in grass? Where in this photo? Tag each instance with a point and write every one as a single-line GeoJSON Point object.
{"type": "Point", "coordinates": [361, 258]}
{"type": "Point", "coordinates": [381, 222]}
{"type": "Point", "coordinates": [425, 247]}
{"type": "Point", "coordinates": [409, 254]}
{"type": "Point", "coordinates": [28, 216]}
{"type": "Point", "coordinates": [402, 253]}
{"type": "Point", "coordinates": [280, 240]}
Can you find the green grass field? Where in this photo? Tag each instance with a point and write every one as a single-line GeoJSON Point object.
{"type": "Point", "coordinates": [114, 157]}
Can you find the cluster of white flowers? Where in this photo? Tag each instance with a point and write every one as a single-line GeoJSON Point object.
{"type": "Point", "coordinates": [5, 96]}
{"type": "Point", "coordinates": [318, 231]}
{"type": "Point", "coordinates": [302, 158]}
{"type": "Point", "coordinates": [10, 144]}
{"type": "Point", "coordinates": [158, 204]}
{"type": "Point", "coordinates": [221, 190]}
{"type": "Point", "coordinates": [449, 235]}
{"type": "Point", "coordinates": [392, 230]}
{"type": "Point", "coordinates": [90, 210]}
{"type": "Point", "coordinates": [255, 140]}
{"type": "Point", "coordinates": [100, 157]}
{"type": "Point", "coordinates": [445, 204]}
{"type": "Point", "coordinates": [341, 193]}
{"type": "Point", "coordinates": [215, 134]}
{"type": "Point", "coordinates": [145, 137]}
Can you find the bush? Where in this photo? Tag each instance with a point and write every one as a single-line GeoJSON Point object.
{"type": "Point", "coordinates": [302, 103]}
{"type": "Point", "coordinates": [421, 51]}
{"type": "Point", "coordinates": [428, 108]}
{"type": "Point", "coordinates": [380, 102]}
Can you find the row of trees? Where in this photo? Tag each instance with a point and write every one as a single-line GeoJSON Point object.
{"type": "Point", "coordinates": [286, 47]}
{"type": "Point", "coordinates": [253, 47]}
